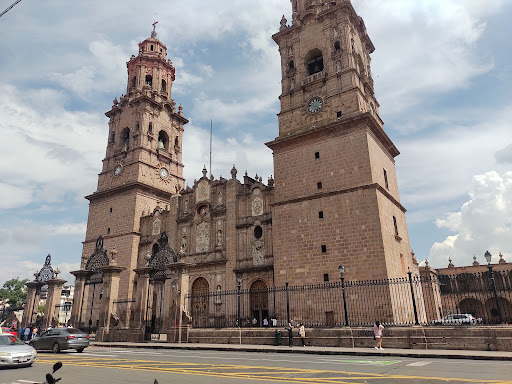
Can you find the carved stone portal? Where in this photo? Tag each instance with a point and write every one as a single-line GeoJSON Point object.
{"type": "Point", "coordinates": [203, 237]}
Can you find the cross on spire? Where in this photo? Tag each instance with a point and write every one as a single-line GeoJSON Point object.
{"type": "Point", "coordinates": [153, 34]}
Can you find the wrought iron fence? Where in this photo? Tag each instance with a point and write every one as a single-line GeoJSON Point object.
{"type": "Point", "coordinates": [423, 299]}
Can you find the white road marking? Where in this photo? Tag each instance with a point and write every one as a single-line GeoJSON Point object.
{"type": "Point", "coordinates": [418, 364]}
{"type": "Point", "coordinates": [24, 381]}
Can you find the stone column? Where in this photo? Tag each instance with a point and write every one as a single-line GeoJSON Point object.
{"type": "Point", "coordinates": [111, 275]}
{"type": "Point", "coordinates": [78, 297]}
{"type": "Point", "coordinates": [168, 294]}
{"type": "Point", "coordinates": [32, 303]}
{"type": "Point", "coordinates": [54, 293]}
{"type": "Point", "coordinates": [141, 301]}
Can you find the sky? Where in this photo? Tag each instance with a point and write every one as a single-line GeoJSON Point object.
{"type": "Point", "coordinates": [442, 73]}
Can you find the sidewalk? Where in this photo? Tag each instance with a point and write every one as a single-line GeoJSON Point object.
{"type": "Point", "coordinates": [391, 352]}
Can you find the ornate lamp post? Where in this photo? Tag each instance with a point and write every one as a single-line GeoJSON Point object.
{"type": "Point", "coordinates": [238, 289]}
{"type": "Point", "coordinates": [341, 269]}
{"type": "Point", "coordinates": [488, 258]}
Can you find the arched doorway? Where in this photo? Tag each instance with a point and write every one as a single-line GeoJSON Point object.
{"type": "Point", "coordinates": [258, 302]}
{"type": "Point", "coordinates": [473, 307]}
{"type": "Point", "coordinates": [200, 308]}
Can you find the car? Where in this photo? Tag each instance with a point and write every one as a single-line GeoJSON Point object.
{"type": "Point", "coordinates": [59, 339]}
{"type": "Point", "coordinates": [15, 353]}
{"type": "Point", "coordinates": [458, 319]}
{"type": "Point", "coordinates": [9, 331]}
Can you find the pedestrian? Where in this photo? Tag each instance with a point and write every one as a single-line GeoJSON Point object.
{"type": "Point", "coordinates": [265, 322]}
{"type": "Point", "coordinates": [34, 332]}
{"type": "Point", "coordinates": [302, 334]}
{"type": "Point", "coordinates": [21, 333]}
{"type": "Point", "coordinates": [290, 334]}
{"type": "Point", "coordinates": [27, 333]}
{"type": "Point", "coordinates": [254, 321]}
{"type": "Point", "coordinates": [377, 334]}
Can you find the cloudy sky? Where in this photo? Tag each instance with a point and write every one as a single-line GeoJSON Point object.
{"type": "Point", "coordinates": [442, 71]}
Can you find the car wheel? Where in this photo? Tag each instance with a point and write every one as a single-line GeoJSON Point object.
{"type": "Point", "coordinates": [80, 350]}
{"type": "Point", "coordinates": [56, 348]}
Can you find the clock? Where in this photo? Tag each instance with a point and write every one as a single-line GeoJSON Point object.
{"type": "Point", "coordinates": [164, 173]}
{"type": "Point", "coordinates": [117, 170]}
{"type": "Point", "coordinates": [315, 105]}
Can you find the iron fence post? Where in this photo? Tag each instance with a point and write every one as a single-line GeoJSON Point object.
{"type": "Point", "coordinates": [344, 299]}
{"type": "Point", "coordinates": [416, 322]}
{"type": "Point", "coordinates": [238, 311]}
{"type": "Point", "coordinates": [92, 305]}
{"type": "Point", "coordinates": [496, 297]}
{"type": "Point", "coordinates": [287, 303]}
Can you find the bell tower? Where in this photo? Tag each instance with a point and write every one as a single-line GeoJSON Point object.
{"type": "Point", "coordinates": [336, 196]}
{"type": "Point", "coordinates": [143, 166]}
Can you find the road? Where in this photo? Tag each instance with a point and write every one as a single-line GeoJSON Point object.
{"type": "Point", "coordinates": [111, 366]}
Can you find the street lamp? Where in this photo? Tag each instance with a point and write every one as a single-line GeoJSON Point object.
{"type": "Point", "coordinates": [341, 269]}
{"type": "Point", "coordinates": [238, 288]}
{"type": "Point", "coordinates": [488, 258]}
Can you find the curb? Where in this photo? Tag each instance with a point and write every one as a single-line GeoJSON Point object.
{"type": "Point", "coordinates": [412, 354]}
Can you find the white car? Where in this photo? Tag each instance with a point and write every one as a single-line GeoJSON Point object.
{"type": "Point", "coordinates": [14, 352]}
{"type": "Point", "coordinates": [458, 319]}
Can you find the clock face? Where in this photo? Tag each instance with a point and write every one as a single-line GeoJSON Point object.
{"type": "Point", "coordinates": [164, 173]}
{"type": "Point", "coordinates": [315, 105]}
{"type": "Point", "coordinates": [117, 170]}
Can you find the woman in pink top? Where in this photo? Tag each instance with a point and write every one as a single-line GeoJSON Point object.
{"type": "Point", "coordinates": [377, 332]}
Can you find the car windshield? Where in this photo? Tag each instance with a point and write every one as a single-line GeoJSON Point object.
{"type": "Point", "coordinates": [74, 331]}
{"type": "Point", "coordinates": [10, 340]}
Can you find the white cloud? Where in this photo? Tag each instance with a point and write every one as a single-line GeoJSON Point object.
{"type": "Point", "coordinates": [483, 223]}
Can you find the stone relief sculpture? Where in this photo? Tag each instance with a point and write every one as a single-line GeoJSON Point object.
{"type": "Point", "coordinates": [157, 225]}
{"type": "Point", "coordinates": [203, 237]}
{"type": "Point", "coordinates": [219, 238]}
{"type": "Point", "coordinates": [258, 252]}
{"type": "Point", "coordinates": [257, 207]}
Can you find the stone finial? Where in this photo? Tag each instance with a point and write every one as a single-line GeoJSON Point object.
{"type": "Point", "coordinates": [115, 101]}
{"type": "Point", "coordinates": [204, 171]}
{"type": "Point", "coordinates": [256, 178]}
{"type": "Point", "coordinates": [153, 32]}
{"type": "Point", "coordinates": [502, 260]}
{"type": "Point", "coordinates": [56, 272]}
{"type": "Point", "coordinates": [414, 259]}
{"type": "Point", "coordinates": [426, 264]}
{"type": "Point", "coordinates": [475, 263]}
{"type": "Point", "coordinates": [270, 181]}
{"type": "Point", "coordinates": [113, 255]}
{"type": "Point", "coordinates": [450, 264]}
{"type": "Point", "coordinates": [260, 179]}
{"type": "Point", "coordinates": [36, 275]}
{"type": "Point", "coordinates": [283, 23]}
{"type": "Point", "coordinates": [233, 172]}
{"type": "Point", "coordinates": [180, 110]}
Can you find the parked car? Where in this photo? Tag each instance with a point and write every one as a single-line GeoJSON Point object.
{"type": "Point", "coordinates": [59, 339]}
{"type": "Point", "coordinates": [9, 331]}
{"type": "Point", "coordinates": [458, 319]}
{"type": "Point", "coordinates": [14, 352]}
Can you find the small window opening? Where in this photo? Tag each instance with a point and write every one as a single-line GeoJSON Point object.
{"type": "Point", "coordinates": [151, 48]}
{"type": "Point", "coordinates": [134, 81]}
{"type": "Point", "coordinates": [110, 209]}
{"type": "Point", "coordinates": [163, 140]}
{"type": "Point", "coordinates": [317, 155]}
{"type": "Point", "coordinates": [149, 80]}
{"type": "Point", "coordinates": [395, 225]}
{"type": "Point", "coordinates": [164, 86]}
{"type": "Point", "coordinates": [112, 137]}
{"type": "Point", "coordinates": [291, 64]}
{"type": "Point", "coordinates": [108, 230]}
{"type": "Point", "coordinates": [126, 138]}
{"type": "Point", "coordinates": [324, 248]}
{"type": "Point", "coordinates": [154, 251]}
{"type": "Point", "coordinates": [258, 232]}
{"type": "Point", "coordinates": [386, 179]}
{"type": "Point", "coordinates": [338, 114]}
{"type": "Point", "coordinates": [319, 185]}
{"type": "Point", "coordinates": [314, 62]}
{"type": "Point", "coordinates": [161, 50]}
{"type": "Point", "coordinates": [176, 143]}
{"type": "Point", "coordinates": [337, 46]}
{"type": "Point", "coordinates": [326, 277]}
{"type": "Point", "coordinates": [150, 128]}
{"type": "Point", "coordinates": [321, 214]}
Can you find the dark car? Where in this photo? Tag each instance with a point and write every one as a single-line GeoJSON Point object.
{"type": "Point", "coordinates": [59, 339]}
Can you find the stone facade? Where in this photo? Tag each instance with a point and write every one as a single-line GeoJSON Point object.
{"type": "Point", "coordinates": [334, 200]}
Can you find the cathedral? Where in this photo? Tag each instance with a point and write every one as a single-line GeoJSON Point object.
{"type": "Point", "coordinates": [333, 201]}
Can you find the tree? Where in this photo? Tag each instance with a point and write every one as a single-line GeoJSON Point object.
{"type": "Point", "coordinates": [15, 291]}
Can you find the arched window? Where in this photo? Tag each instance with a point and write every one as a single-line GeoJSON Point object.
{"type": "Point", "coordinates": [149, 80]}
{"type": "Point", "coordinates": [314, 62]}
{"type": "Point", "coordinates": [176, 143]}
{"type": "Point", "coordinates": [150, 128]}
{"type": "Point", "coordinates": [163, 140]}
{"type": "Point", "coordinates": [337, 46]}
{"type": "Point", "coordinates": [291, 64]}
{"type": "Point", "coordinates": [164, 86]}
{"type": "Point", "coordinates": [134, 81]}
{"type": "Point", "coordinates": [125, 136]}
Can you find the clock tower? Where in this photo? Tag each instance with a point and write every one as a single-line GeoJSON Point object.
{"type": "Point", "coordinates": [143, 165]}
{"type": "Point", "coordinates": [336, 199]}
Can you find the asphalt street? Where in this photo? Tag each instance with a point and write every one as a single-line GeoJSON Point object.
{"type": "Point", "coordinates": [110, 365]}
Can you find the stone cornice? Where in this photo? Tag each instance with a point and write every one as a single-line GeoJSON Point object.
{"type": "Point", "coordinates": [128, 186]}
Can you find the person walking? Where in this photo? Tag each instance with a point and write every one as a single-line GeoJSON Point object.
{"type": "Point", "coordinates": [26, 333]}
{"type": "Point", "coordinates": [290, 334]}
{"type": "Point", "coordinates": [377, 333]}
{"type": "Point", "coordinates": [302, 334]}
